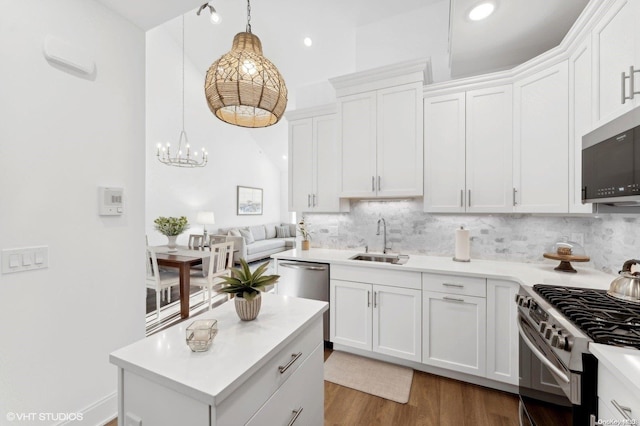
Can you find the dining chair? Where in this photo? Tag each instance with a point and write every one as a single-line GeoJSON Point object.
{"type": "Point", "coordinates": [196, 241]}
{"type": "Point", "coordinates": [159, 280]}
{"type": "Point", "coordinates": [220, 263]}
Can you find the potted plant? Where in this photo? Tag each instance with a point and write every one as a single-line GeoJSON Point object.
{"type": "Point", "coordinates": [306, 235]}
{"type": "Point", "coordinates": [171, 227]}
{"type": "Point", "coordinates": [247, 288]}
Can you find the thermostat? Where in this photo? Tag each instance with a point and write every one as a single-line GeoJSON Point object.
{"type": "Point", "coordinates": [110, 201]}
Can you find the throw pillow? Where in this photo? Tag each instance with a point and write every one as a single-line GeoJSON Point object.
{"type": "Point", "coordinates": [248, 236]}
{"type": "Point", "coordinates": [282, 232]}
{"type": "Point", "coordinates": [234, 233]}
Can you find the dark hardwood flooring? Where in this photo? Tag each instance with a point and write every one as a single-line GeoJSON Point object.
{"type": "Point", "coordinates": [434, 401]}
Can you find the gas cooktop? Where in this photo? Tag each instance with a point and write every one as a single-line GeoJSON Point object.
{"type": "Point", "coordinates": [604, 319]}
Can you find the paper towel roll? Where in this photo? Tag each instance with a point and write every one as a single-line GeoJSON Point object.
{"type": "Point", "coordinates": [463, 245]}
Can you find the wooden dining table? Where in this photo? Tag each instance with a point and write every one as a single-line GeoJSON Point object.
{"type": "Point", "coordinates": [183, 259]}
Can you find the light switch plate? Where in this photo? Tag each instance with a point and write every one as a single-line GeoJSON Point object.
{"type": "Point", "coordinates": [24, 259]}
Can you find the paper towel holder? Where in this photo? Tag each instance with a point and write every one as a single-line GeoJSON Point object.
{"type": "Point", "coordinates": [461, 260]}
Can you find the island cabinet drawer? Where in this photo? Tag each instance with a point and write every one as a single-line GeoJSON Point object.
{"type": "Point", "coordinates": [238, 407]}
{"type": "Point", "coordinates": [389, 277]}
{"type": "Point", "coordinates": [619, 399]}
{"type": "Point", "coordinates": [454, 284]}
{"type": "Point", "coordinates": [299, 401]}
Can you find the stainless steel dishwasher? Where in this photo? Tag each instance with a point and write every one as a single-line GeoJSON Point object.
{"type": "Point", "coordinates": [306, 280]}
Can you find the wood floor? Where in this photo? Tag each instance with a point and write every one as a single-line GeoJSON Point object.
{"type": "Point", "coordinates": [434, 401]}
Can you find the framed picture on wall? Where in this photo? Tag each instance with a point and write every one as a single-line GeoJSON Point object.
{"type": "Point", "coordinates": [249, 200]}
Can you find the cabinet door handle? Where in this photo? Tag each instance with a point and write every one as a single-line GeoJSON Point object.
{"type": "Point", "coordinates": [453, 285]}
{"type": "Point", "coordinates": [624, 83]}
{"type": "Point", "coordinates": [314, 200]}
{"type": "Point", "coordinates": [469, 200]}
{"type": "Point", "coordinates": [462, 198]}
{"type": "Point", "coordinates": [514, 197]}
{"type": "Point", "coordinates": [625, 411]}
{"type": "Point", "coordinates": [296, 414]}
{"type": "Point", "coordinates": [308, 200]}
{"type": "Point", "coordinates": [368, 299]}
{"type": "Point", "coordinates": [375, 299]}
{"type": "Point", "coordinates": [294, 358]}
{"type": "Point", "coordinates": [452, 299]}
{"type": "Point", "coordinates": [379, 183]}
{"type": "Point", "coordinates": [373, 184]}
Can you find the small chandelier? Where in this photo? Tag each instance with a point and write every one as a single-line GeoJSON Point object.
{"type": "Point", "coordinates": [243, 87]}
{"type": "Point", "coordinates": [181, 159]}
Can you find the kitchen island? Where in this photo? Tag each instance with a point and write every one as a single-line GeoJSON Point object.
{"type": "Point", "coordinates": [266, 371]}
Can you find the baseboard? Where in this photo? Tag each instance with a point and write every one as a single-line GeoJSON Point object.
{"type": "Point", "coordinates": [99, 413]}
{"type": "Point", "coordinates": [463, 377]}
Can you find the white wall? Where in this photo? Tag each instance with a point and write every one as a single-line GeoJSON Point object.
{"type": "Point", "coordinates": [420, 34]}
{"type": "Point", "coordinates": [62, 136]}
{"type": "Point", "coordinates": [234, 157]}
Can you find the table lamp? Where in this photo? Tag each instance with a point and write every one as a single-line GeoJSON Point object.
{"type": "Point", "coordinates": [205, 218]}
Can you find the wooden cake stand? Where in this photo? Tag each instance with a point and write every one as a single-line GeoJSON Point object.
{"type": "Point", "coordinates": [564, 259]}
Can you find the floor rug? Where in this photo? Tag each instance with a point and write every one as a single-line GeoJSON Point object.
{"type": "Point", "coordinates": [374, 377]}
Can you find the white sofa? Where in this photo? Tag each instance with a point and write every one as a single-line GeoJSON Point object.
{"type": "Point", "coordinates": [260, 241]}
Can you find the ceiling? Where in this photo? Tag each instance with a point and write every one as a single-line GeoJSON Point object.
{"type": "Point", "coordinates": [516, 32]}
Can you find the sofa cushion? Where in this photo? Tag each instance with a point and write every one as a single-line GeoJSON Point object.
{"type": "Point", "coordinates": [292, 228]}
{"type": "Point", "coordinates": [271, 230]}
{"type": "Point", "coordinates": [248, 236]}
{"type": "Point", "coordinates": [282, 232]}
{"type": "Point", "coordinates": [258, 232]}
{"type": "Point", "coordinates": [264, 245]}
{"type": "Point", "coordinates": [234, 233]}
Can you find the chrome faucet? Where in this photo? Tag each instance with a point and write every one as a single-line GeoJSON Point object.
{"type": "Point", "coordinates": [384, 243]}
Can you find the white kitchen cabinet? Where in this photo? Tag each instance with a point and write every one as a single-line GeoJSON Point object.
{"type": "Point", "coordinates": [616, 48]}
{"type": "Point", "coordinates": [351, 315]}
{"type": "Point", "coordinates": [314, 172]}
{"type": "Point", "coordinates": [454, 332]}
{"type": "Point", "coordinates": [541, 141]}
{"type": "Point", "coordinates": [502, 332]}
{"type": "Point", "coordinates": [580, 120]}
{"type": "Point", "coordinates": [616, 397]}
{"type": "Point", "coordinates": [381, 318]}
{"type": "Point", "coordinates": [468, 151]}
{"type": "Point", "coordinates": [381, 140]}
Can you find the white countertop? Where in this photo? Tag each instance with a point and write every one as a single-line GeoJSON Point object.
{"type": "Point", "coordinates": [624, 363]}
{"type": "Point", "coordinates": [239, 349]}
{"type": "Point", "coordinates": [524, 273]}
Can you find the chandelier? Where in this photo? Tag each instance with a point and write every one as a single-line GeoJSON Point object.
{"type": "Point", "coordinates": [243, 87]}
{"type": "Point", "coordinates": [181, 158]}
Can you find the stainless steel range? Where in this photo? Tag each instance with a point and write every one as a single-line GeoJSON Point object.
{"type": "Point", "coordinates": [558, 375]}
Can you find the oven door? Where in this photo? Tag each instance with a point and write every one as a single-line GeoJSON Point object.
{"type": "Point", "coordinates": [545, 384]}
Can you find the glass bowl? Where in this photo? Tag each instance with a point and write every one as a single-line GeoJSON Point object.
{"type": "Point", "coordinates": [564, 247]}
{"type": "Point", "coordinates": [200, 334]}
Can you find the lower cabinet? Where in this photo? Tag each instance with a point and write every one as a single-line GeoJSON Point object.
{"type": "Point", "coordinates": [502, 331]}
{"type": "Point", "coordinates": [378, 318]}
{"type": "Point", "coordinates": [616, 402]}
{"type": "Point", "coordinates": [454, 330]}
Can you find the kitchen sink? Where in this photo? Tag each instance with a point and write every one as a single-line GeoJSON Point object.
{"type": "Point", "coordinates": [396, 259]}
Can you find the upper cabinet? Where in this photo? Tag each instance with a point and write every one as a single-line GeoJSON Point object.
{"type": "Point", "coordinates": [616, 61]}
{"type": "Point", "coordinates": [314, 173]}
{"type": "Point", "coordinates": [468, 156]}
{"type": "Point", "coordinates": [541, 141]}
{"type": "Point", "coordinates": [380, 131]}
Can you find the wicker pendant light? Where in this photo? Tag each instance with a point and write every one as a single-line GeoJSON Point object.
{"type": "Point", "coordinates": [243, 87]}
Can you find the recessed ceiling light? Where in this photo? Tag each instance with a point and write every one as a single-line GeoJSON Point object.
{"type": "Point", "coordinates": [481, 11]}
{"type": "Point", "coordinates": [307, 41]}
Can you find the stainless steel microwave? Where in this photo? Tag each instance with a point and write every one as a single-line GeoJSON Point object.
{"type": "Point", "coordinates": [611, 162]}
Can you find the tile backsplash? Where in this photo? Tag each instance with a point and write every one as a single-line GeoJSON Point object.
{"type": "Point", "coordinates": [608, 239]}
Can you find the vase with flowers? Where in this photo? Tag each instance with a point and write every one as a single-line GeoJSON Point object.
{"type": "Point", "coordinates": [171, 227]}
{"type": "Point", "coordinates": [306, 235]}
